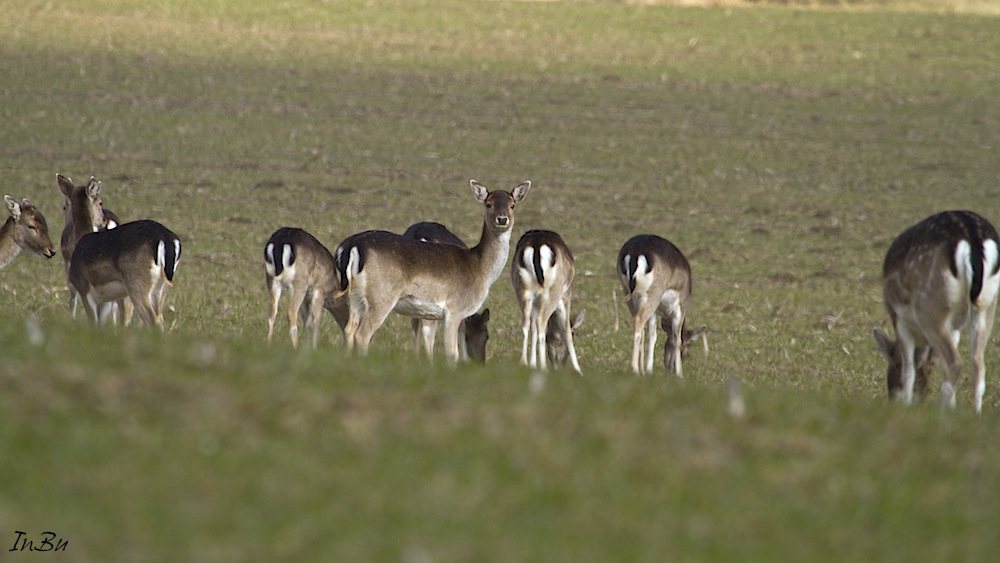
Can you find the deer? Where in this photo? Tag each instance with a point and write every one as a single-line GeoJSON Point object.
{"type": "Point", "coordinates": [24, 229]}
{"type": "Point", "coordinates": [136, 260]}
{"type": "Point", "coordinates": [941, 276]}
{"type": "Point", "coordinates": [656, 279]}
{"type": "Point", "coordinates": [542, 274]}
{"type": "Point", "coordinates": [473, 332]}
{"type": "Point", "coordinates": [84, 213]}
{"type": "Point", "coordinates": [295, 261]}
{"type": "Point", "coordinates": [381, 272]}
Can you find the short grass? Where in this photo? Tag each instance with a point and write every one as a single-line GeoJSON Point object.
{"type": "Point", "coordinates": [781, 149]}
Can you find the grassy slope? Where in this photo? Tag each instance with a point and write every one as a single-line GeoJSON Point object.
{"type": "Point", "coordinates": [782, 150]}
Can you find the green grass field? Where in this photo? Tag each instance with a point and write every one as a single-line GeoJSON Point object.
{"type": "Point", "coordinates": [782, 149]}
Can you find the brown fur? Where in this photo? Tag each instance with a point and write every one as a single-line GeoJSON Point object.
{"type": "Point", "coordinates": [382, 272]}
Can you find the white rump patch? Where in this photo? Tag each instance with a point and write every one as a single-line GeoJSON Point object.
{"type": "Point", "coordinates": [991, 281]}
{"type": "Point", "coordinates": [111, 224]}
{"type": "Point", "coordinates": [643, 280]}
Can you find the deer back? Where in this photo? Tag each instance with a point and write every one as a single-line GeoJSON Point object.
{"type": "Point", "coordinates": [299, 257]}
{"type": "Point", "coordinates": [952, 257]}
{"type": "Point", "coordinates": [133, 251]}
{"type": "Point", "coordinates": [428, 231]}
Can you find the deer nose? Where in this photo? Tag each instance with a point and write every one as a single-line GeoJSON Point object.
{"type": "Point", "coordinates": [502, 220]}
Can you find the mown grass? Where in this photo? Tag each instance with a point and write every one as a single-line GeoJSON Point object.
{"type": "Point", "coordinates": [782, 150]}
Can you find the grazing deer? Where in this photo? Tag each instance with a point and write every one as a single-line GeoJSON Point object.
{"type": "Point", "coordinates": [656, 278]}
{"type": "Point", "coordinates": [473, 332]}
{"type": "Point", "coordinates": [383, 272]}
{"type": "Point", "coordinates": [84, 213]}
{"type": "Point", "coordinates": [939, 277]}
{"type": "Point", "coordinates": [135, 260]}
{"type": "Point", "coordinates": [24, 229]}
{"type": "Point", "coordinates": [295, 261]}
{"type": "Point", "coordinates": [556, 345]}
{"type": "Point", "coordinates": [542, 273]}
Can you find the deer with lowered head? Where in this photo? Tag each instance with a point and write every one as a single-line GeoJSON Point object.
{"type": "Point", "coordinates": [473, 332]}
{"type": "Point", "coordinates": [656, 280]}
{"type": "Point", "coordinates": [295, 261]}
{"type": "Point", "coordinates": [382, 272]}
{"type": "Point", "coordinates": [542, 274]}
{"type": "Point", "coordinates": [25, 228]}
{"type": "Point", "coordinates": [136, 260]}
{"type": "Point", "coordinates": [940, 277]}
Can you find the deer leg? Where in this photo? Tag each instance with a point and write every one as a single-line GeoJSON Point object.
{"type": "Point", "coordinates": [526, 311]}
{"type": "Point", "coordinates": [369, 322]}
{"type": "Point", "coordinates": [274, 289]}
{"type": "Point", "coordinates": [463, 344]}
{"type": "Point", "coordinates": [638, 326]}
{"type": "Point", "coordinates": [650, 342]}
{"type": "Point", "coordinates": [451, 322]}
{"type": "Point", "coordinates": [674, 342]}
{"type": "Point", "coordinates": [295, 301]}
{"type": "Point", "coordinates": [416, 331]}
{"type": "Point", "coordinates": [316, 315]}
{"type": "Point", "coordinates": [428, 334]}
{"type": "Point", "coordinates": [568, 334]}
{"type": "Point", "coordinates": [142, 299]}
{"type": "Point", "coordinates": [979, 335]}
{"type": "Point", "coordinates": [943, 345]}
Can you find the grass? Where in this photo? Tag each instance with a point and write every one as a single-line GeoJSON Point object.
{"type": "Point", "coordinates": [781, 149]}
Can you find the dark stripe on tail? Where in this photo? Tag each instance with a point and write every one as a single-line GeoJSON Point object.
{"type": "Point", "coordinates": [343, 259]}
{"type": "Point", "coordinates": [173, 255]}
{"type": "Point", "coordinates": [631, 266]}
{"type": "Point", "coordinates": [976, 247]}
{"type": "Point", "coordinates": [539, 274]}
{"type": "Point", "coordinates": [170, 254]}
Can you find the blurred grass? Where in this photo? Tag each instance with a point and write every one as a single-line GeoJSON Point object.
{"type": "Point", "coordinates": [782, 150]}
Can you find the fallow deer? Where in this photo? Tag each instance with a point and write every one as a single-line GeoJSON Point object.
{"type": "Point", "coordinates": [25, 228]}
{"type": "Point", "coordinates": [940, 276]}
{"type": "Point", "coordinates": [542, 273]}
{"type": "Point", "coordinates": [137, 260]}
{"type": "Point", "coordinates": [473, 333]}
{"type": "Point", "coordinates": [656, 280]}
{"type": "Point", "coordinates": [84, 213]}
{"type": "Point", "coordinates": [295, 261]}
{"type": "Point", "coordinates": [382, 272]}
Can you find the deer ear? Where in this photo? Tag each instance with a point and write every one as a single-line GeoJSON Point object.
{"type": "Point", "coordinates": [577, 319]}
{"type": "Point", "coordinates": [479, 191]}
{"type": "Point", "coordinates": [12, 207]}
{"type": "Point", "coordinates": [486, 314]}
{"type": "Point", "coordinates": [65, 185]}
{"type": "Point", "coordinates": [884, 344]}
{"type": "Point", "coordinates": [94, 187]}
{"type": "Point", "coordinates": [521, 191]}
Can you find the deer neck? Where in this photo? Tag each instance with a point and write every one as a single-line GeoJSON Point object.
{"type": "Point", "coordinates": [10, 247]}
{"type": "Point", "coordinates": [84, 221]}
{"type": "Point", "coordinates": [493, 249]}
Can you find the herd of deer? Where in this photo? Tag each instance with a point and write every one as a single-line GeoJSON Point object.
{"type": "Point", "coordinates": [940, 276]}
